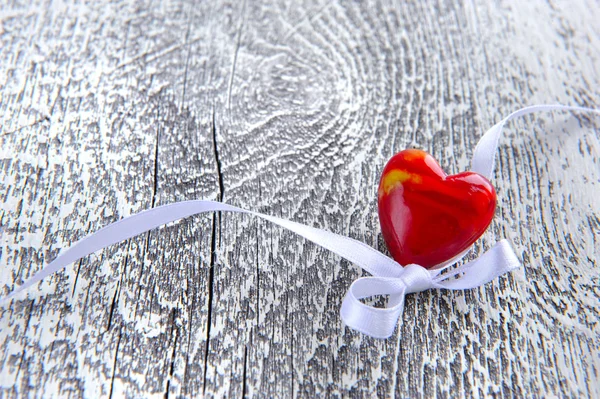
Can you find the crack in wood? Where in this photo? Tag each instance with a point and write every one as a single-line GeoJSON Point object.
{"type": "Point", "coordinates": [112, 307]}
{"type": "Point", "coordinates": [211, 280]}
{"type": "Point", "coordinates": [114, 371]}
{"type": "Point", "coordinates": [173, 352]}
{"type": "Point", "coordinates": [37, 122]}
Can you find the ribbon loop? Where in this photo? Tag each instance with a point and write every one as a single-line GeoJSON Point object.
{"type": "Point", "coordinates": [372, 321]}
{"type": "Point", "coordinates": [381, 322]}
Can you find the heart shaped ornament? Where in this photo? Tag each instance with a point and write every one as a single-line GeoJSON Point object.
{"type": "Point", "coordinates": [428, 217]}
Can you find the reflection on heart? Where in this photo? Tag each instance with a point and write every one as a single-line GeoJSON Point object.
{"type": "Point", "coordinates": [428, 217]}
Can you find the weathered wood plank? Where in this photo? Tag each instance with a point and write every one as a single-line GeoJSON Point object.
{"type": "Point", "coordinates": [290, 109]}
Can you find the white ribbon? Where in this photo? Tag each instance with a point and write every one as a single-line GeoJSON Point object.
{"type": "Point", "coordinates": [484, 156]}
{"type": "Point", "coordinates": [389, 277]}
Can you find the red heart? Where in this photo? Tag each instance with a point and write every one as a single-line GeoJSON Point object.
{"type": "Point", "coordinates": [428, 217]}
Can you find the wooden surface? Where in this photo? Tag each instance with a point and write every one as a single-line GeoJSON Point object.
{"type": "Point", "coordinates": [290, 109]}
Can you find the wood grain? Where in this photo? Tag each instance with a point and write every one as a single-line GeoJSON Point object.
{"type": "Point", "coordinates": [292, 109]}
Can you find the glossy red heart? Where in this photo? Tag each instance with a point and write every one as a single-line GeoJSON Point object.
{"type": "Point", "coordinates": [428, 217]}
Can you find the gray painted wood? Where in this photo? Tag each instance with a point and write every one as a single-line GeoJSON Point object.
{"type": "Point", "coordinates": [290, 109]}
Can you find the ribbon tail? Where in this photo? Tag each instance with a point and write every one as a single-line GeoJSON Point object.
{"type": "Point", "coordinates": [355, 251]}
{"type": "Point", "coordinates": [484, 156]}
{"type": "Point", "coordinates": [114, 233]}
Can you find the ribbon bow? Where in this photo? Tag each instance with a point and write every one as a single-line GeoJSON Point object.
{"type": "Point", "coordinates": [381, 322]}
{"type": "Point", "coordinates": [389, 277]}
